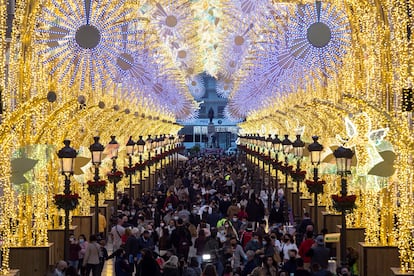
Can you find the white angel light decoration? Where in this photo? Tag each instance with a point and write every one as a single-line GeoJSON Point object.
{"type": "Point", "coordinates": [365, 142]}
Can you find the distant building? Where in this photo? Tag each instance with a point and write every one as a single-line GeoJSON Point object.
{"type": "Point", "coordinates": [196, 131]}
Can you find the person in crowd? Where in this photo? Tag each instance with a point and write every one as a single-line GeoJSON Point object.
{"type": "Point", "coordinates": [132, 248]}
{"type": "Point", "coordinates": [233, 209]}
{"type": "Point", "coordinates": [306, 221]}
{"type": "Point", "coordinates": [255, 209]}
{"type": "Point", "coordinates": [242, 214]}
{"type": "Point", "coordinates": [122, 266]}
{"type": "Point", "coordinates": [74, 249]}
{"type": "Point", "coordinates": [102, 224]}
{"type": "Point", "coordinates": [164, 243]}
{"type": "Point", "coordinates": [92, 257]}
{"type": "Point", "coordinates": [83, 245]}
{"type": "Point", "coordinates": [246, 235]}
{"type": "Point", "coordinates": [345, 271]}
{"type": "Point", "coordinates": [145, 241]}
{"type": "Point", "coordinates": [210, 270]}
{"type": "Point", "coordinates": [319, 254]}
{"type": "Point", "coordinates": [199, 244]}
{"type": "Point", "coordinates": [304, 248]}
{"type": "Point", "coordinates": [261, 229]}
{"type": "Point", "coordinates": [288, 244]}
{"type": "Point", "coordinates": [266, 269]}
{"type": "Point", "coordinates": [181, 239]}
{"type": "Point", "coordinates": [250, 264]}
{"type": "Point", "coordinates": [276, 214]}
{"type": "Point", "coordinates": [170, 267]}
{"type": "Point", "coordinates": [116, 233]}
{"type": "Point", "coordinates": [291, 266]}
{"type": "Point", "coordinates": [147, 266]}
{"type": "Point", "coordinates": [60, 268]}
{"type": "Point", "coordinates": [268, 248]}
{"type": "Point", "coordinates": [352, 260]}
{"type": "Point", "coordinates": [300, 269]}
{"type": "Point", "coordinates": [239, 256]}
{"type": "Point", "coordinates": [269, 266]}
{"type": "Point", "coordinates": [103, 256]}
{"type": "Point", "coordinates": [255, 245]}
{"type": "Point", "coordinates": [193, 269]}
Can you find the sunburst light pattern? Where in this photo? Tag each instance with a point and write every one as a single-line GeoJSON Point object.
{"type": "Point", "coordinates": [196, 86]}
{"type": "Point", "coordinates": [224, 87]}
{"type": "Point", "coordinates": [319, 35]}
{"type": "Point", "coordinates": [171, 21]}
{"type": "Point", "coordinates": [85, 39]}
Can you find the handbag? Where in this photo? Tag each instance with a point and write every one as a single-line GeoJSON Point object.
{"type": "Point", "coordinates": [277, 256]}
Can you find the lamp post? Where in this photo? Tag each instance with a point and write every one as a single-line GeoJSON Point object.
{"type": "Point", "coordinates": [298, 146]}
{"type": "Point", "coordinates": [286, 146]}
{"type": "Point", "coordinates": [67, 157]}
{"type": "Point", "coordinates": [114, 147]}
{"type": "Point", "coordinates": [96, 150]}
{"type": "Point", "coordinates": [171, 148]}
{"type": "Point", "coordinates": [148, 145]}
{"type": "Point", "coordinates": [343, 166]}
{"type": "Point", "coordinates": [315, 150]}
{"type": "Point", "coordinates": [130, 148]}
{"type": "Point", "coordinates": [140, 148]}
{"type": "Point", "coordinates": [156, 143]}
{"type": "Point", "coordinates": [269, 145]}
{"type": "Point", "coordinates": [277, 144]}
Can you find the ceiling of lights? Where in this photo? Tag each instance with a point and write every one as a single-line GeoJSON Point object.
{"type": "Point", "coordinates": [256, 49]}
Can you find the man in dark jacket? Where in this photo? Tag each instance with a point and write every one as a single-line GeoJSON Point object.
{"type": "Point", "coordinates": [181, 239]}
{"type": "Point", "coordinates": [145, 241]}
{"type": "Point", "coordinates": [319, 254]}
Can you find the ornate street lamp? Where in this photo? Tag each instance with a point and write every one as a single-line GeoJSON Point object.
{"type": "Point", "coordinates": [315, 150]}
{"type": "Point", "coordinates": [140, 149]}
{"type": "Point", "coordinates": [269, 145]}
{"type": "Point", "coordinates": [148, 145]}
{"type": "Point", "coordinates": [156, 145]}
{"type": "Point", "coordinates": [171, 150]}
{"type": "Point", "coordinates": [343, 166]}
{"type": "Point", "coordinates": [277, 146]}
{"type": "Point", "coordinates": [115, 175]}
{"type": "Point", "coordinates": [67, 157]}
{"type": "Point", "coordinates": [96, 151]}
{"type": "Point", "coordinates": [130, 150]}
{"type": "Point", "coordinates": [298, 146]}
{"type": "Point", "coordinates": [286, 146]}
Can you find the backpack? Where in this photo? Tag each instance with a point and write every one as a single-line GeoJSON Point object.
{"type": "Point", "coordinates": [183, 244]}
{"type": "Point", "coordinates": [246, 237]}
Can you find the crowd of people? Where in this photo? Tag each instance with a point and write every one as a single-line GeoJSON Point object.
{"type": "Point", "coordinates": [206, 218]}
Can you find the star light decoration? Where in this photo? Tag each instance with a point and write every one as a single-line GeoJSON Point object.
{"type": "Point", "coordinates": [87, 40]}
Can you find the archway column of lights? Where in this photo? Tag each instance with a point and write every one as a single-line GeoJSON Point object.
{"type": "Point", "coordinates": [76, 129]}
{"type": "Point", "coordinates": [335, 111]}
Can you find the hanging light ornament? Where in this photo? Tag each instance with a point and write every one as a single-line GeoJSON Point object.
{"type": "Point", "coordinates": [136, 67]}
{"type": "Point", "coordinates": [252, 7]}
{"type": "Point", "coordinates": [85, 39]}
{"type": "Point", "coordinates": [171, 21]}
{"type": "Point", "coordinates": [196, 86]}
{"type": "Point", "coordinates": [319, 35]}
{"type": "Point", "coordinates": [224, 87]}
